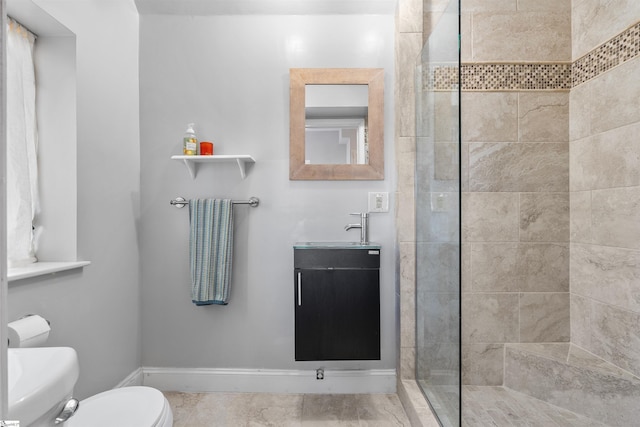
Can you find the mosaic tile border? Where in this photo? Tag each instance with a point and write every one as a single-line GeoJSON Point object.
{"type": "Point", "coordinates": [620, 49]}
{"type": "Point", "coordinates": [499, 77]}
{"type": "Point", "coordinates": [551, 76]}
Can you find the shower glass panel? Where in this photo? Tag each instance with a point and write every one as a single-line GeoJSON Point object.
{"type": "Point", "coordinates": [438, 218]}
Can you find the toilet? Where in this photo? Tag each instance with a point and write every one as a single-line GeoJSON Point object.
{"type": "Point", "coordinates": [137, 406]}
{"type": "Point", "coordinates": [41, 382]}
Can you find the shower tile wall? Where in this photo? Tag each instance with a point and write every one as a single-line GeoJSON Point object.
{"type": "Point", "coordinates": [521, 277]}
{"type": "Point", "coordinates": [605, 182]}
{"type": "Point", "coordinates": [408, 44]}
{"type": "Point", "coordinates": [515, 204]}
{"type": "Point", "coordinates": [409, 40]}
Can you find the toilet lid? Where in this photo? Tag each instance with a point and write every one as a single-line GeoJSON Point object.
{"type": "Point", "coordinates": [122, 407]}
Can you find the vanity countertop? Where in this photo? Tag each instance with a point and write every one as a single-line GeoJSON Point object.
{"type": "Point", "coordinates": [336, 245]}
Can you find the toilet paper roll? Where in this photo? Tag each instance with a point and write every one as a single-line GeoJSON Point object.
{"type": "Point", "coordinates": [30, 331]}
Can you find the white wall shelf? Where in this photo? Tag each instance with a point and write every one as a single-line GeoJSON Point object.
{"type": "Point", "coordinates": [191, 162]}
{"type": "Point", "coordinates": [42, 268]}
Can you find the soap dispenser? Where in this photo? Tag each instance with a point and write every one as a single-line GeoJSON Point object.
{"type": "Point", "coordinates": [190, 142]}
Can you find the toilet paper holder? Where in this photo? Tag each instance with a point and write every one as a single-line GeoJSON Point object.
{"type": "Point", "coordinates": [30, 330]}
{"type": "Point", "coordinates": [32, 314]}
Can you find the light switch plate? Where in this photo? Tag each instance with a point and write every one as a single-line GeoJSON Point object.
{"type": "Point", "coordinates": [378, 201]}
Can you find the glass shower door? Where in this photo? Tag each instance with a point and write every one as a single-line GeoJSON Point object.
{"type": "Point", "coordinates": [438, 219]}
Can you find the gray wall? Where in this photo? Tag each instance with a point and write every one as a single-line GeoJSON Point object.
{"type": "Point", "coordinates": [97, 310]}
{"type": "Point", "coordinates": [229, 75]}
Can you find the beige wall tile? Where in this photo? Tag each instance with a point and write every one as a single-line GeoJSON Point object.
{"type": "Point", "coordinates": [543, 116]}
{"type": "Point", "coordinates": [581, 217]}
{"type": "Point", "coordinates": [438, 220]}
{"type": "Point", "coordinates": [446, 122]}
{"type": "Point", "coordinates": [435, 358]}
{"type": "Point", "coordinates": [439, 267]}
{"type": "Point", "coordinates": [580, 321]}
{"type": "Point", "coordinates": [465, 37]}
{"type": "Point", "coordinates": [545, 5]}
{"type": "Point", "coordinates": [464, 164]}
{"type": "Point", "coordinates": [543, 267]}
{"type": "Point", "coordinates": [407, 363]}
{"type": "Point", "coordinates": [526, 167]}
{"type": "Point", "coordinates": [595, 22]}
{"type": "Point", "coordinates": [489, 5]}
{"type": "Point", "coordinates": [407, 297]}
{"type": "Point", "coordinates": [617, 92]}
{"type": "Point", "coordinates": [405, 164]}
{"type": "Point", "coordinates": [489, 117]}
{"type": "Point", "coordinates": [489, 217]}
{"type": "Point", "coordinates": [510, 267]}
{"type": "Point", "coordinates": [446, 167]}
{"type": "Point", "coordinates": [544, 217]}
{"type": "Point", "coordinates": [482, 364]}
{"type": "Point", "coordinates": [490, 318]}
{"type": "Point", "coordinates": [521, 36]}
{"type": "Point", "coordinates": [606, 274]}
{"type": "Point", "coordinates": [425, 159]}
{"type": "Point", "coordinates": [605, 160]}
{"type": "Point", "coordinates": [437, 322]}
{"type": "Point", "coordinates": [425, 114]}
{"type": "Point", "coordinates": [494, 267]}
{"type": "Point", "coordinates": [466, 267]}
{"type": "Point", "coordinates": [616, 217]}
{"type": "Point", "coordinates": [405, 217]}
{"type": "Point", "coordinates": [408, 46]}
{"type": "Point", "coordinates": [409, 16]}
{"type": "Point", "coordinates": [580, 100]}
{"type": "Point", "coordinates": [615, 337]}
{"type": "Point", "coordinates": [406, 144]}
{"type": "Point", "coordinates": [436, 5]}
{"type": "Point", "coordinates": [544, 317]}
{"type": "Point", "coordinates": [408, 320]}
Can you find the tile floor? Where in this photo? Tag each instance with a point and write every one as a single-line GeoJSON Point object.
{"type": "Point", "coordinates": [482, 407]}
{"type": "Point", "coordinates": [285, 410]}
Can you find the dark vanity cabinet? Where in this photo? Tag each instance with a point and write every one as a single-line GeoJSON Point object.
{"type": "Point", "coordinates": [337, 303]}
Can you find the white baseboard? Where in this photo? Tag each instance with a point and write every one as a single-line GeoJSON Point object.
{"type": "Point", "coordinates": [134, 378]}
{"type": "Point", "coordinates": [270, 380]}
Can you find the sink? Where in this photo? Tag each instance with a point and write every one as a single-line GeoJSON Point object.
{"type": "Point", "coordinates": [40, 380]}
{"type": "Point", "coordinates": [336, 245]}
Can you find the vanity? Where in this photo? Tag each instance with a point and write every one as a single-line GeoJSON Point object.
{"type": "Point", "coordinates": [337, 301]}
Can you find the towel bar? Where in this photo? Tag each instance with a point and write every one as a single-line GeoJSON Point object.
{"type": "Point", "coordinates": [180, 202]}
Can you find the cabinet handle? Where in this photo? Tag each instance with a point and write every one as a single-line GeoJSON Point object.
{"type": "Point", "coordinates": [299, 289]}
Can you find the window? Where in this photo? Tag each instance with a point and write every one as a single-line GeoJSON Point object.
{"type": "Point", "coordinates": [22, 142]}
{"type": "Point", "coordinates": [54, 59]}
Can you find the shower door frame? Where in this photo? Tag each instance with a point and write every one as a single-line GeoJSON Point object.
{"type": "Point", "coordinates": [443, 393]}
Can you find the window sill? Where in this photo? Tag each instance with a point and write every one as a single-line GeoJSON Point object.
{"type": "Point", "coordinates": [42, 268]}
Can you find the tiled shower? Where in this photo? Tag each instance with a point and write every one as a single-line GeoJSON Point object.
{"type": "Point", "coordinates": [550, 203]}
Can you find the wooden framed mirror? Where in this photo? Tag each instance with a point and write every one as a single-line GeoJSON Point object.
{"type": "Point", "coordinates": [354, 132]}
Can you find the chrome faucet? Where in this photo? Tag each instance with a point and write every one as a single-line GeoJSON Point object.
{"type": "Point", "coordinates": [363, 226]}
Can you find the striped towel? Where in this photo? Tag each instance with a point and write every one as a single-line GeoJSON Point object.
{"type": "Point", "coordinates": [210, 250]}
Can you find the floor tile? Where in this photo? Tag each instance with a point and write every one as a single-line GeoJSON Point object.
{"type": "Point", "coordinates": [286, 410]}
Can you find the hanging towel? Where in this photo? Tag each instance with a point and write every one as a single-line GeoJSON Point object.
{"type": "Point", "coordinates": [210, 250]}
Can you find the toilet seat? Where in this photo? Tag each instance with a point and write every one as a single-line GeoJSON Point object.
{"type": "Point", "coordinates": [124, 407]}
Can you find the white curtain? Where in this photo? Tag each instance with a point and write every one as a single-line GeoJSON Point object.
{"type": "Point", "coordinates": [22, 141]}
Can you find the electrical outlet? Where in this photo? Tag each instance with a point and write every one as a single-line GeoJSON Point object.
{"type": "Point", "coordinates": [319, 374]}
{"type": "Point", "coordinates": [379, 201]}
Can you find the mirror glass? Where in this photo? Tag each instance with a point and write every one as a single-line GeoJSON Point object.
{"type": "Point", "coordinates": [336, 124]}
